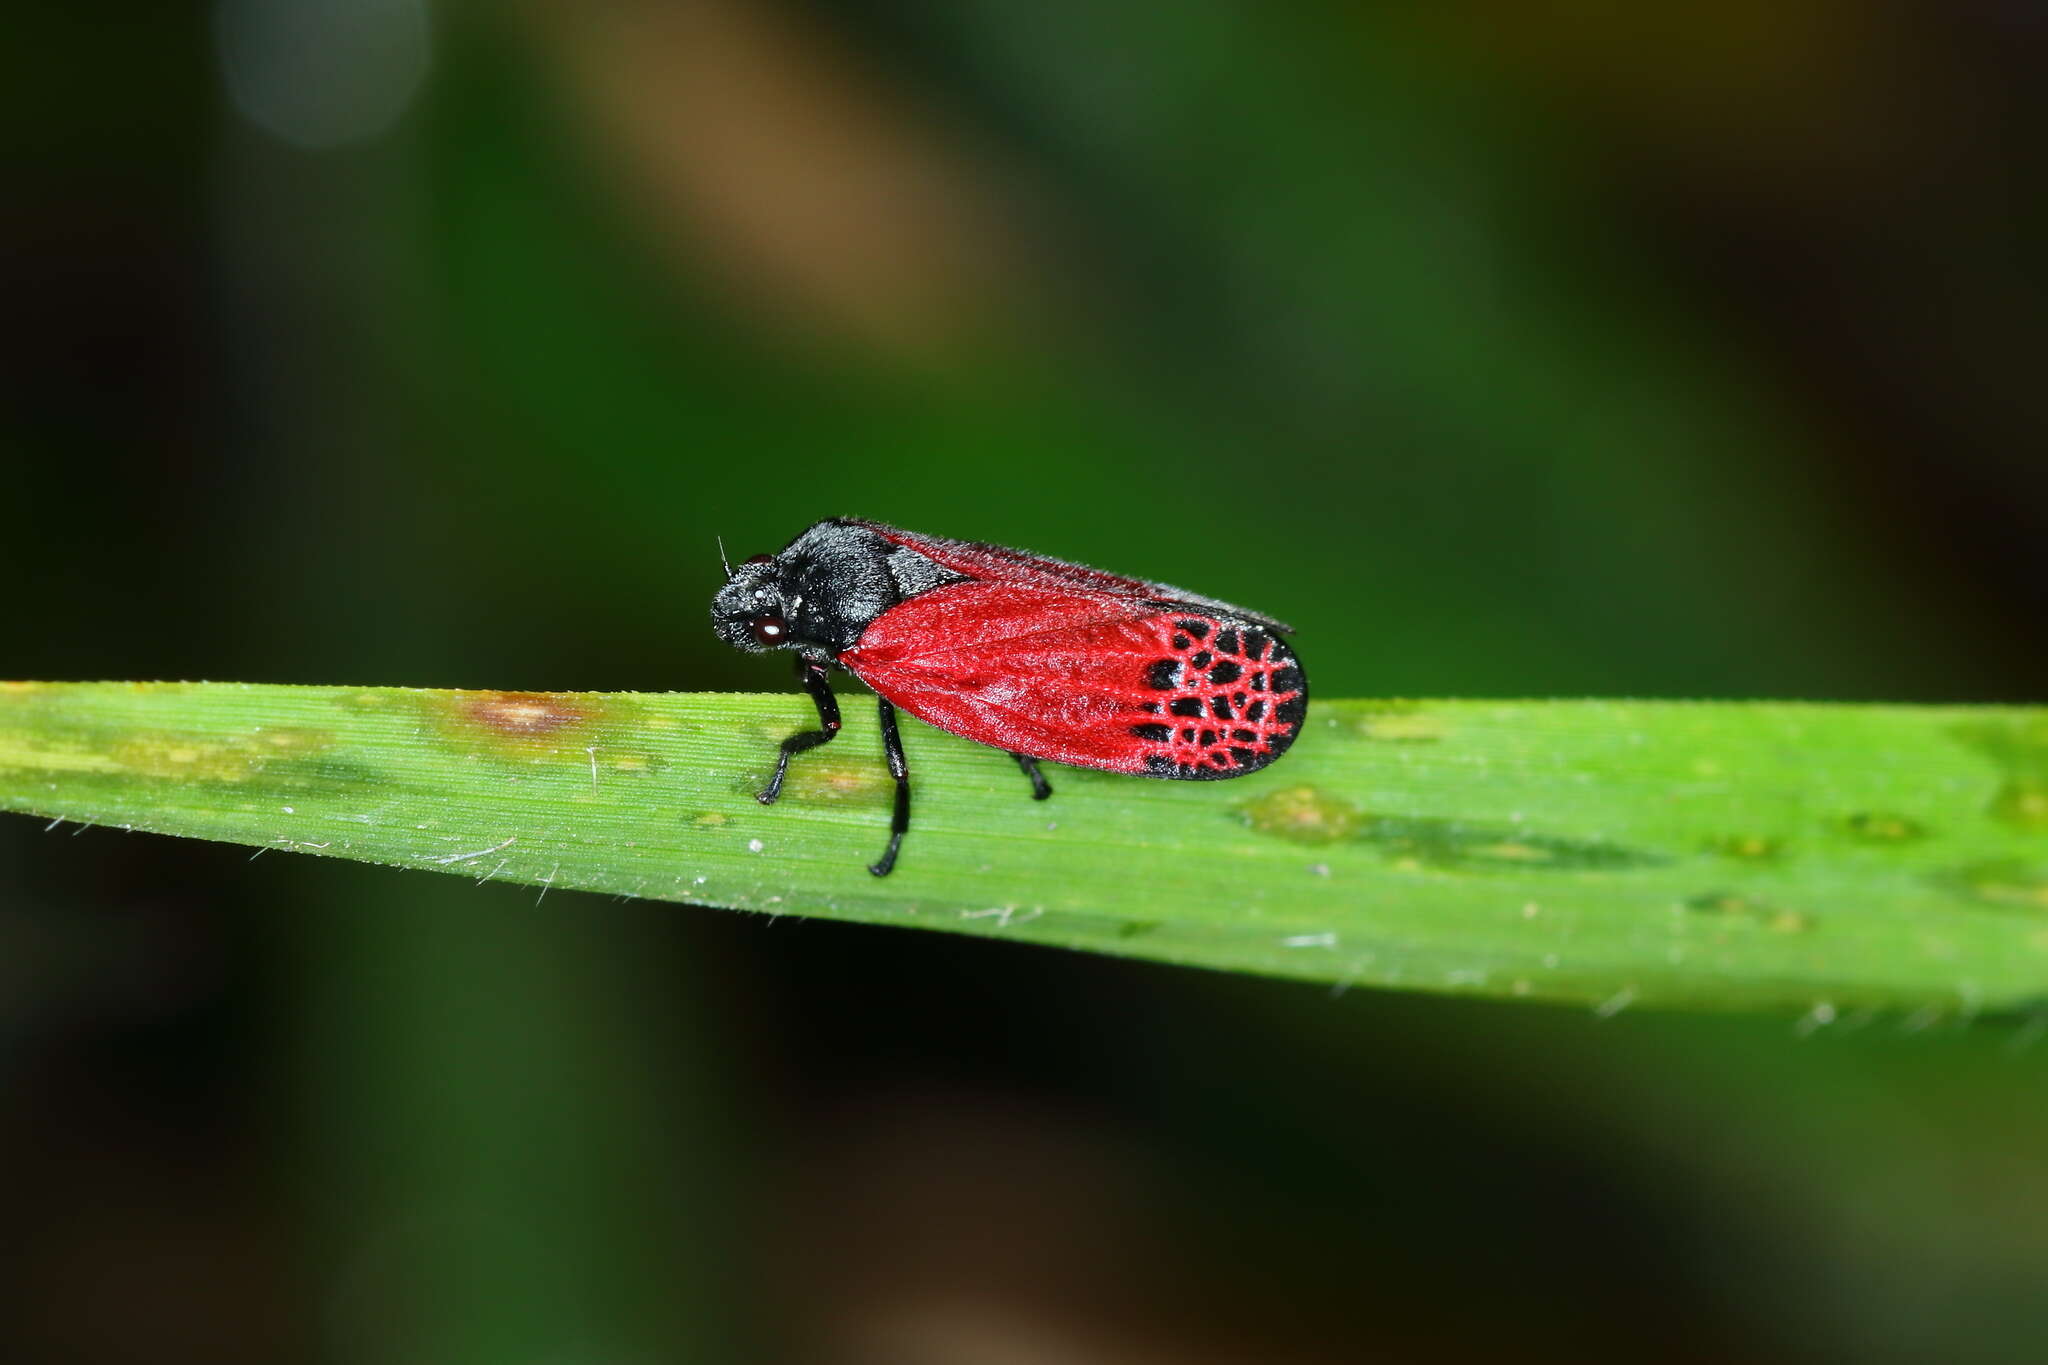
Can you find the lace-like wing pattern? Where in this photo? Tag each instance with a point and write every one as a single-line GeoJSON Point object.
{"type": "Point", "coordinates": [1229, 699]}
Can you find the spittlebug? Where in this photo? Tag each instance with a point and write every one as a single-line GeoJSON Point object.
{"type": "Point", "coordinates": [1039, 658]}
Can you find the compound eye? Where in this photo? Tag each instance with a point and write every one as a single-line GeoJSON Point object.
{"type": "Point", "coordinates": [758, 559]}
{"type": "Point", "coordinates": [769, 630]}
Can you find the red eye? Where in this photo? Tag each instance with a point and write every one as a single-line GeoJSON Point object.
{"type": "Point", "coordinates": [769, 630]}
{"type": "Point", "coordinates": [758, 559]}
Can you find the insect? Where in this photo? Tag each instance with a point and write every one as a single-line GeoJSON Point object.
{"type": "Point", "coordinates": [1040, 658]}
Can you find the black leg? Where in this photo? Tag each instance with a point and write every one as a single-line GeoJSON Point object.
{"type": "Point", "coordinates": [1040, 788]}
{"type": "Point", "coordinates": [899, 822]}
{"type": "Point", "coordinates": [812, 676]}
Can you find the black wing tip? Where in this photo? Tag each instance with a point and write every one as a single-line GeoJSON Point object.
{"type": "Point", "coordinates": [1252, 752]}
{"type": "Point", "coordinates": [1245, 760]}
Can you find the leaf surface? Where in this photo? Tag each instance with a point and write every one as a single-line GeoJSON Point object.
{"type": "Point", "coordinates": [1817, 859]}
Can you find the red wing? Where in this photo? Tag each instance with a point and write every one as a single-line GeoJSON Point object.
{"type": "Point", "coordinates": [993, 563]}
{"type": "Point", "coordinates": [1096, 679]}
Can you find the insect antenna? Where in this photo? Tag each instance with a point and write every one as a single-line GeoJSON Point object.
{"type": "Point", "coordinates": [723, 562]}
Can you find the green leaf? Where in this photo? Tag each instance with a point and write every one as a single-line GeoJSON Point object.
{"type": "Point", "coordinates": [1825, 860]}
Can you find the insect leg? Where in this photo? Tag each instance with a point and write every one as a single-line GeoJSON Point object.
{"type": "Point", "coordinates": [1040, 788]}
{"type": "Point", "coordinates": [812, 676]}
{"type": "Point", "coordinates": [899, 821]}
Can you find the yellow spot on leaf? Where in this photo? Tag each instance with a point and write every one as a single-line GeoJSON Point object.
{"type": "Point", "coordinates": [1304, 815]}
{"type": "Point", "coordinates": [30, 756]}
{"type": "Point", "coordinates": [2023, 802]}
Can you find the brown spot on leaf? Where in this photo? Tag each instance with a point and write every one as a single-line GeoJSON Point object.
{"type": "Point", "coordinates": [523, 715]}
{"type": "Point", "coordinates": [586, 733]}
{"type": "Point", "coordinates": [841, 777]}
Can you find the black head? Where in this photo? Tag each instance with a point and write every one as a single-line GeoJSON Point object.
{"type": "Point", "coordinates": [820, 592]}
{"type": "Point", "coordinates": [752, 610]}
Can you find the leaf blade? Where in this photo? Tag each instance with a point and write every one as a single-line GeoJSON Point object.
{"type": "Point", "coordinates": [1789, 856]}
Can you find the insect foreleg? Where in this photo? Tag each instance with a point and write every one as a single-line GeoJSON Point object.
{"type": "Point", "coordinates": [899, 820]}
{"type": "Point", "coordinates": [813, 676]}
{"type": "Point", "coordinates": [1040, 788]}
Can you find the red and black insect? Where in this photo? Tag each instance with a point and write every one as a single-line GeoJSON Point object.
{"type": "Point", "coordinates": [1040, 658]}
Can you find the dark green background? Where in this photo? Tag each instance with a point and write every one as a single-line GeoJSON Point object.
{"type": "Point", "coordinates": [1506, 350]}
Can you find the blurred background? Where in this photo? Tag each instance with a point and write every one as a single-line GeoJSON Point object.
{"type": "Point", "coordinates": [1508, 349]}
